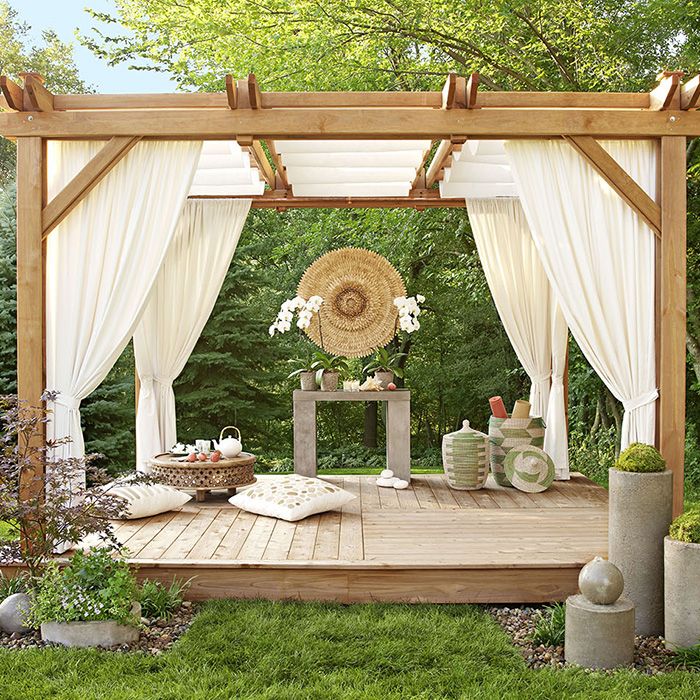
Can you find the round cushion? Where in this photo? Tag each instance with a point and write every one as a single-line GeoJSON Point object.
{"type": "Point", "coordinates": [529, 468]}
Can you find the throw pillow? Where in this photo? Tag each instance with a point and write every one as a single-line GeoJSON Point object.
{"type": "Point", "coordinates": [144, 500]}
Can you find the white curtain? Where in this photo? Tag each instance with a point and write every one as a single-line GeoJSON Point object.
{"type": "Point", "coordinates": [182, 300]}
{"type": "Point", "coordinates": [528, 310]}
{"type": "Point", "coordinates": [101, 263]}
{"type": "Point", "coordinates": [599, 256]}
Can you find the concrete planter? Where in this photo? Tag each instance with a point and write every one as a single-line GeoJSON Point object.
{"type": "Point", "coordinates": [105, 633]}
{"type": "Point", "coordinates": [308, 381]}
{"type": "Point", "coordinates": [329, 380]}
{"type": "Point", "coordinates": [640, 510]}
{"type": "Point", "coordinates": [681, 593]}
{"type": "Point", "coordinates": [384, 377]}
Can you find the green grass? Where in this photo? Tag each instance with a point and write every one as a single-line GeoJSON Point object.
{"type": "Point", "coordinates": [290, 651]}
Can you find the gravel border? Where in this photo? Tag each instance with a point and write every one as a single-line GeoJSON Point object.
{"type": "Point", "coordinates": [157, 635]}
{"type": "Point", "coordinates": [650, 654]}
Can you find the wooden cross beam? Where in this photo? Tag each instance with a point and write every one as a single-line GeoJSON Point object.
{"type": "Point", "coordinates": [36, 97]}
{"type": "Point", "coordinates": [661, 96]}
{"type": "Point", "coordinates": [619, 180]}
{"type": "Point", "coordinates": [13, 93]}
{"type": "Point", "coordinates": [690, 93]}
{"type": "Point", "coordinates": [442, 159]}
{"type": "Point", "coordinates": [86, 180]}
{"type": "Point", "coordinates": [231, 92]}
{"type": "Point", "coordinates": [257, 153]}
{"type": "Point", "coordinates": [280, 170]}
{"type": "Point", "coordinates": [420, 180]}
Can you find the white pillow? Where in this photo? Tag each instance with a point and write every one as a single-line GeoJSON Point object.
{"type": "Point", "coordinates": [291, 497]}
{"type": "Point", "coordinates": [144, 500]}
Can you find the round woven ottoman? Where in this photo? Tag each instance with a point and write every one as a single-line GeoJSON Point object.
{"type": "Point", "coordinates": [203, 477]}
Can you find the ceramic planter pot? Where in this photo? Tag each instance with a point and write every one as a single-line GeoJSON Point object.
{"type": "Point", "coordinates": [384, 377]}
{"type": "Point", "coordinates": [681, 593]}
{"type": "Point", "coordinates": [308, 381]}
{"type": "Point", "coordinates": [329, 381]}
{"type": "Point", "coordinates": [640, 512]}
{"type": "Point", "coordinates": [104, 633]}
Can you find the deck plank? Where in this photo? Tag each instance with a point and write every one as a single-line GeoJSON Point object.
{"type": "Point", "coordinates": [280, 541]}
{"type": "Point", "coordinates": [181, 547]}
{"type": "Point", "coordinates": [304, 539]}
{"type": "Point", "coordinates": [258, 537]}
{"type": "Point", "coordinates": [234, 539]}
{"type": "Point", "coordinates": [211, 538]}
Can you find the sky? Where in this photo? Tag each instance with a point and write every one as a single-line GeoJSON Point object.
{"type": "Point", "coordinates": [64, 17]}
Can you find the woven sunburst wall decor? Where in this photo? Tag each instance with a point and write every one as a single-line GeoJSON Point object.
{"type": "Point", "coordinates": [358, 289]}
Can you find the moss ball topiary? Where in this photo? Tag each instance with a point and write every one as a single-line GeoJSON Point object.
{"type": "Point", "coordinates": [639, 457]}
{"type": "Point", "coordinates": [686, 527]}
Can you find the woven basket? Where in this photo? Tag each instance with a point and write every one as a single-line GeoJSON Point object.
{"type": "Point", "coordinates": [465, 458]}
{"type": "Point", "coordinates": [507, 433]}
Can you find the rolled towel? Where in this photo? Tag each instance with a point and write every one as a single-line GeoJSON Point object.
{"type": "Point", "coordinates": [521, 409]}
{"type": "Point", "coordinates": [498, 408]}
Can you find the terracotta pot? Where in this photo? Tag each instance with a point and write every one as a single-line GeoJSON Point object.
{"type": "Point", "coordinates": [308, 381]}
{"type": "Point", "coordinates": [329, 381]}
{"type": "Point", "coordinates": [384, 377]}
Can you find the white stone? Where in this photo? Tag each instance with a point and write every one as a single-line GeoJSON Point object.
{"type": "Point", "coordinates": [400, 484]}
{"type": "Point", "coordinates": [13, 612]}
{"type": "Point", "coordinates": [387, 483]}
{"type": "Point", "coordinates": [601, 581]}
{"type": "Point", "coordinates": [386, 474]}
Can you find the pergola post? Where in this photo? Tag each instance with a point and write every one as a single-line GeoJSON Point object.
{"type": "Point", "coordinates": [671, 305]}
{"type": "Point", "coordinates": [31, 328]}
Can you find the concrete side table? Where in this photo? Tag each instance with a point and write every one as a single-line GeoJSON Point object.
{"type": "Point", "coordinates": [398, 427]}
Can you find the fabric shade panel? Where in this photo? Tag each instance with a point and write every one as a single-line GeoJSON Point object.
{"type": "Point", "coordinates": [528, 310]}
{"type": "Point", "coordinates": [600, 258]}
{"type": "Point", "coordinates": [352, 168]}
{"type": "Point", "coordinates": [180, 304]}
{"type": "Point", "coordinates": [224, 169]}
{"type": "Point", "coordinates": [480, 169]}
{"type": "Point", "coordinates": [101, 265]}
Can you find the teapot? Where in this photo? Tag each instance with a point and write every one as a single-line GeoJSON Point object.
{"type": "Point", "coordinates": [229, 447]}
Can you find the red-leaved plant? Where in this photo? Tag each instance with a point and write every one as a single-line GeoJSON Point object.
{"type": "Point", "coordinates": [43, 499]}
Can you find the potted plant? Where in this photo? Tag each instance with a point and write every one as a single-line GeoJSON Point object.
{"type": "Point", "coordinates": [640, 510]}
{"type": "Point", "coordinates": [384, 365]}
{"type": "Point", "coordinates": [681, 581]}
{"type": "Point", "coordinates": [328, 369]}
{"type": "Point", "coordinates": [91, 602]}
{"type": "Point", "coordinates": [305, 372]}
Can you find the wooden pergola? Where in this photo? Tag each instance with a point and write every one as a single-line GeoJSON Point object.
{"type": "Point", "coordinates": [32, 115]}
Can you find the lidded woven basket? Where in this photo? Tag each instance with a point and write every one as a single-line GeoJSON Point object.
{"type": "Point", "coordinates": [465, 458]}
{"type": "Point", "coordinates": [507, 433]}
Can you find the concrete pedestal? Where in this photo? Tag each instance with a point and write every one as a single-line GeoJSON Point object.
{"type": "Point", "coordinates": [599, 636]}
{"type": "Point", "coordinates": [681, 593]}
{"type": "Point", "coordinates": [640, 509]}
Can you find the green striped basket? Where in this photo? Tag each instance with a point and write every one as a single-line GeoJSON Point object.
{"type": "Point", "coordinates": [507, 433]}
{"type": "Point", "coordinates": [465, 458]}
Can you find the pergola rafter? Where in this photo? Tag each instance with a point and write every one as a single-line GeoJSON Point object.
{"type": "Point", "coordinates": [244, 113]}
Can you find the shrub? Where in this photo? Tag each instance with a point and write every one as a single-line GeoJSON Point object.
{"type": "Point", "coordinates": [160, 601]}
{"type": "Point", "coordinates": [549, 625]}
{"type": "Point", "coordinates": [687, 659]}
{"type": "Point", "coordinates": [12, 585]}
{"type": "Point", "coordinates": [93, 586]}
{"type": "Point", "coordinates": [639, 457]}
{"type": "Point", "coordinates": [593, 455]}
{"type": "Point", "coordinates": [686, 527]}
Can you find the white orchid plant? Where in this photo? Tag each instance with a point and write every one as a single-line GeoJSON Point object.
{"type": "Point", "coordinates": [409, 311]}
{"type": "Point", "coordinates": [305, 310]}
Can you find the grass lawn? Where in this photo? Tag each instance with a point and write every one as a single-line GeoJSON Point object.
{"type": "Point", "coordinates": [286, 651]}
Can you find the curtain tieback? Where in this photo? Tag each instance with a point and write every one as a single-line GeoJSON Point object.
{"type": "Point", "coordinates": [69, 402]}
{"type": "Point", "coordinates": [148, 381]}
{"type": "Point", "coordinates": [557, 380]}
{"type": "Point", "coordinates": [641, 400]}
{"type": "Point", "coordinates": [541, 379]}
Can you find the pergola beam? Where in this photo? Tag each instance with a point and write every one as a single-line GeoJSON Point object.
{"type": "Point", "coordinates": [13, 93]}
{"type": "Point", "coordinates": [661, 97]}
{"type": "Point", "coordinates": [86, 180]}
{"type": "Point", "coordinates": [283, 199]}
{"type": "Point", "coordinates": [36, 96]}
{"type": "Point", "coordinates": [280, 170]}
{"type": "Point", "coordinates": [257, 153]}
{"type": "Point", "coordinates": [616, 176]}
{"type": "Point", "coordinates": [690, 93]}
{"type": "Point", "coordinates": [353, 123]}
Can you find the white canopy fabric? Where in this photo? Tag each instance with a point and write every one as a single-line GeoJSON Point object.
{"type": "Point", "coordinates": [480, 170]}
{"type": "Point", "coordinates": [100, 265]}
{"type": "Point", "coordinates": [600, 258]}
{"type": "Point", "coordinates": [183, 297]}
{"type": "Point", "coordinates": [224, 169]}
{"type": "Point", "coordinates": [528, 310]}
{"type": "Point", "coordinates": [351, 168]}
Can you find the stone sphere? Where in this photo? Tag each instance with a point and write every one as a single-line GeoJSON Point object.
{"type": "Point", "coordinates": [601, 582]}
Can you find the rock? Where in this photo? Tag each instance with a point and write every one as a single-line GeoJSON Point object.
{"type": "Point", "coordinates": [387, 483]}
{"type": "Point", "coordinates": [601, 581]}
{"type": "Point", "coordinates": [400, 484]}
{"type": "Point", "coordinates": [386, 474]}
{"type": "Point", "coordinates": [13, 612]}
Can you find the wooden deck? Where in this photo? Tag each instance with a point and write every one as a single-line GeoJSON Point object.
{"type": "Point", "coordinates": [428, 543]}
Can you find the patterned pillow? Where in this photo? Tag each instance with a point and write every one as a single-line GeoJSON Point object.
{"type": "Point", "coordinates": [144, 500]}
{"type": "Point", "coordinates": [291, 497]}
